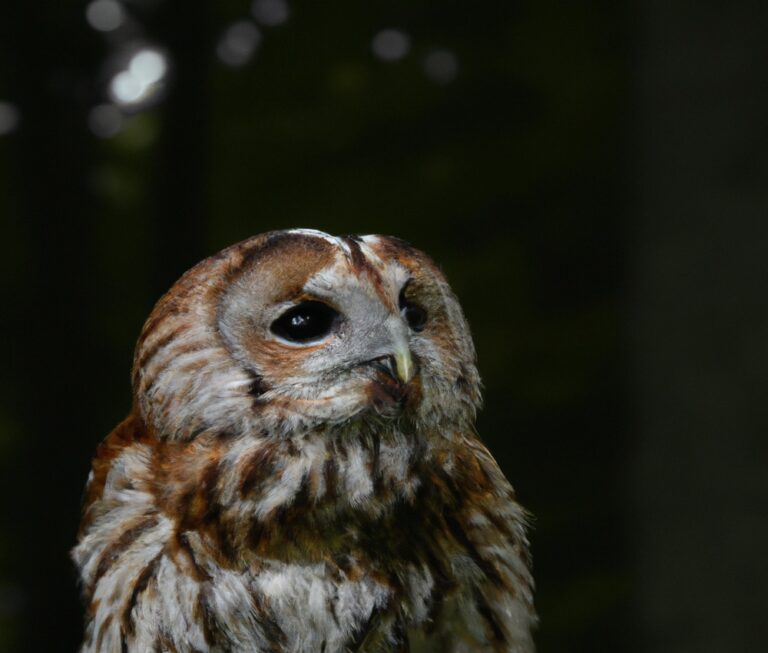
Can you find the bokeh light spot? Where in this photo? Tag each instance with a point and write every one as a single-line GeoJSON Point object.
{"type": "Point", "coordinates": [105, 120]}
{"type": "Point", "coordinates": [270, 12]}
{"type": "Point", "coordinates": [105, 15]}
{"type": "Point", "coordinates": [148, 66]}
{"type": "Point", "coordinates": [239, 42]}
{"type": "Point", "coordinates": [125, 88]}
{"type": "Point", "coordinates": [390, 44]}
{"type": "Point", "coordinates": [141, 80]}
{"type": "Point", "coordinates": [441, 66]}
{"type": "Point", "coordinates": [9, 118]}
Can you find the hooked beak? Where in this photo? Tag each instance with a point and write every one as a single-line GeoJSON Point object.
{"type": "Point", "coordinates": [394, 352]}
{"type": "Point", "coordinates": [399, 364]}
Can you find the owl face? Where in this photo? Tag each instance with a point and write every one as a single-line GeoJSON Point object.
{"type": "Point", "coordinates": [299, 330]}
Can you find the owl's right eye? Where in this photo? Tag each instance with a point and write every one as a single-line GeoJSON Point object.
{"type": "Point", "coordinates": [305, 322]}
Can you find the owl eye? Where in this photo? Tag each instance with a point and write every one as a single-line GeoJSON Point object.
{"type": "Point", "coordinates": [414, 315]}
{"type": "Point", "coordinates": [305, 322]}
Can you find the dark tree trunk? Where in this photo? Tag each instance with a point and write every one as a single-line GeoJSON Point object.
{"type": "Point", "coordinates": [702, 326]}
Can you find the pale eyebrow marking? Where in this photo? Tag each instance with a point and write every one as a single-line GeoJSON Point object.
{"type": "Point", "coordinates": [316, 233]}
{"type": "Point", "coordinates": [368, 251]}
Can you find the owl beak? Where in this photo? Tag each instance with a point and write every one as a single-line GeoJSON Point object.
{"type": "Point", "coordinates": [395, 357]}
{"type": "Point", "coordinates": [398, 364]}
{"type": "Point", "coordinates": [403, 363]}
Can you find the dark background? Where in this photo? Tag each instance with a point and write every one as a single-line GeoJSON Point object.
{"type": "Point", "coordinates": [593, 177]}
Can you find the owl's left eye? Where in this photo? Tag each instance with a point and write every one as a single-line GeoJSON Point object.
{"type": "Point", "coordinates": [305, 322]}
{"type": "Point", "coordinates": [415, 315]}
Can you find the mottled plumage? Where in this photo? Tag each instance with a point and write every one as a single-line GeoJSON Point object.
{"type": "Point", "coordinates": [278, 492]}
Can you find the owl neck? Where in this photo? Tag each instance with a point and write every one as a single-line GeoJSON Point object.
{"type": "Point", "coordinates": [270, 496]}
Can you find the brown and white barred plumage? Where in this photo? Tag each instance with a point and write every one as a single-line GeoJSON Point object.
{"type": "Point", "coordinates": [273, 497]}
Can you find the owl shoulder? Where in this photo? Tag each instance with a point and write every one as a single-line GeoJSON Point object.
{"type": "Point", "coordinates": [130, 434]}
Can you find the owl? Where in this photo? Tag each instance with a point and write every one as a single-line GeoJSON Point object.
{"type": "Point", "coordinates": [300, 471]}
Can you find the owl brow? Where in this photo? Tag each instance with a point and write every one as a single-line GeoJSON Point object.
{"type": "Point", "coordinates": [357, 257]}
{"type": "Point", "coordinates": [361, 263]}
{"type": "Point", "coordinates": [304, 296]}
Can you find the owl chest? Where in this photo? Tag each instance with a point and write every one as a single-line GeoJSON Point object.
{"type": "Point", "coordinates": [354, 579]}
{"type": "Point", "coordinates": [323, 607]}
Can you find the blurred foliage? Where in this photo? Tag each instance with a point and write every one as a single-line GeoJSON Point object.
{"type": "Point", "coordinates": [510, 177]}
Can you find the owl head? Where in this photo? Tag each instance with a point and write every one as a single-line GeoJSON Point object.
{"type": "Point", "coordinates": [298, 330]}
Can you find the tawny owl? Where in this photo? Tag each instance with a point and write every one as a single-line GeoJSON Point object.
{"type": "Point", "coordinates": [300, 471]}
